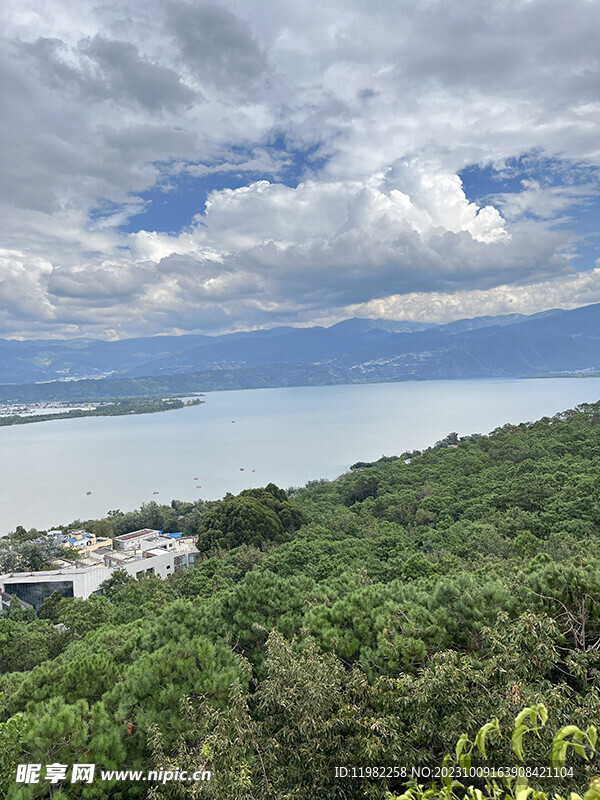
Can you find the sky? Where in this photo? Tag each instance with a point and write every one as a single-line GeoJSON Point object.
{"type": "Point", "coordinates": [174, 167]}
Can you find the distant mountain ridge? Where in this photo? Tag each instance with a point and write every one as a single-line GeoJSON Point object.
{"type": "Point", "coordinates": [352, 351]}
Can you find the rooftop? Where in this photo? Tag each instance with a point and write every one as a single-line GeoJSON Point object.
{"type": "Point", "coordinates": [124, 537]}
{"type": "Point", "coordinates": [46, 573]}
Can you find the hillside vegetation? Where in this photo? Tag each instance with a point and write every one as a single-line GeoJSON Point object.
{"type": "Point", "coordinates": [368, 622]}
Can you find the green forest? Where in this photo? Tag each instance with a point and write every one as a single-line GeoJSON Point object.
{"type": "Point", "coordinates": [435, 608]}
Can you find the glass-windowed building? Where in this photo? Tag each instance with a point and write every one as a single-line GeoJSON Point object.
{"type": "Point", "coordinates": [82, 581]}
{"type": "Point", "coordinates": [36, 593]}
{"type": "Point", "coordinates": [34, 587]}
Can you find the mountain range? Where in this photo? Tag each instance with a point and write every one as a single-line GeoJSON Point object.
{"type": "Point", "coordinates": [555, 342]}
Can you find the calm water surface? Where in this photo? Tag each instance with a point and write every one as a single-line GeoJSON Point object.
{"type": "Point", "coordinates": [287, 436]}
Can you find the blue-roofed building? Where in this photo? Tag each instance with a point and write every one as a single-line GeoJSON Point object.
{"type": "Point", "coordinates": [84, 541]}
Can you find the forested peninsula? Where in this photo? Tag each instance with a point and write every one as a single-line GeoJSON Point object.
{"type": "Point", "coordinates": [109, 408]}
{"type": "Point", "coordinates": [370, 623]}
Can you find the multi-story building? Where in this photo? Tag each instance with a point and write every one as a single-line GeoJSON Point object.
{"type": "Point", "coordinates": [162, 557]}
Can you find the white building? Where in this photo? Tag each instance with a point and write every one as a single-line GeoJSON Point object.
{"type": "Point", "coordinates": [162, 559]}
{"type": "Point", "coordinates": [136, 540]}
{"type": "Point", "coordinates": [34, 587]}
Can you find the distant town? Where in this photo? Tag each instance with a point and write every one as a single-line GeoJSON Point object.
{"type": "Point", "coordinates": [43, 411]}
{"type": "Point", "coordinates": [35, 409]}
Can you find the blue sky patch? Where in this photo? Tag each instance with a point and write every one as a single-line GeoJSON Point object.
{"type": "Point", "coordinates": [568, 197]}
{"type": "Point", "coordinates": [171, 204]}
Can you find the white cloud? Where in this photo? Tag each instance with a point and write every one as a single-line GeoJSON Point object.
{"type": "Point", "coordinates": [106, 101]}
{"type": "Point", "coordinates": [544, 202]}
{"type": "Point", "coordinates": [566, 292]}
{"type": "Point", "coordinates": [22, 288]}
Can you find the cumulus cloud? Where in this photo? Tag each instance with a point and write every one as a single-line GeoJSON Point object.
{"type": "Point", "coordinates": [358, 125]}
{"type": "Point", "coordinates": [322, 245]}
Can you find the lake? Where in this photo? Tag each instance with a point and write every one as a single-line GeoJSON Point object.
{"type": "Point", "coordinates": [240, 439]}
